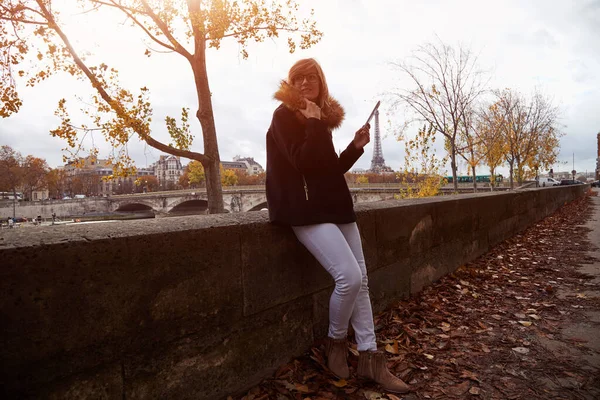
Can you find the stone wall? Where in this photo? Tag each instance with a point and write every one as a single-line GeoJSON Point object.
{"type": "Point", "coordinates": [62, 208]}
{"type": "Point", "coordinates": [197, 308]}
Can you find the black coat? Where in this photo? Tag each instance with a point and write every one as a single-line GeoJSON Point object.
{"type": "Point", "coordinates": [305, 177]}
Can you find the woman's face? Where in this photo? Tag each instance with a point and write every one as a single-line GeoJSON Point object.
{"type": "Point", "coordinates": [308, 84]}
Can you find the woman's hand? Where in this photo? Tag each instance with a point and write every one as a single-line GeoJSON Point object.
{"type": "Point", "coordinates": [362, 137]}
{"type": "Point", "coordinates": [312, 110]}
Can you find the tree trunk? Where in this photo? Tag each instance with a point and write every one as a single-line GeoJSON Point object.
{"type": "Point", "coordinates": [205, 115]}
{"type": "Point", "coordinates": [492, 179]}
{"type": "Point", "coordinates": [519, 173]}
{"type": "Point", "coordinates": [511, 180]}
{"type": "Point", "coordinates": [453, 166]}
{"type": "Point", "coordinates": [474, 179]}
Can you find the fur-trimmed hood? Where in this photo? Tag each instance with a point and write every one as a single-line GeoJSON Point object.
{"type": "Point", "coordinates": [332, 113]}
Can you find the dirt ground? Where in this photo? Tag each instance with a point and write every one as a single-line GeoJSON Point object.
{"type": "Point", "coordinates": [520, 322]}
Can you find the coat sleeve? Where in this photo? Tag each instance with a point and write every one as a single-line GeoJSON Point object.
{"type": "Point", "coordinates": [349, 157]}
{"type": "Point", "coordinates": [309, 148]}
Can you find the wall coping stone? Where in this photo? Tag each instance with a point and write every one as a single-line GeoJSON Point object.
{"type": "Point", "coordinates": [43, 236]}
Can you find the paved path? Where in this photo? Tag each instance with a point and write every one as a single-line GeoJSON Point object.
{"type": "Point", "coordinates": [580, 341]}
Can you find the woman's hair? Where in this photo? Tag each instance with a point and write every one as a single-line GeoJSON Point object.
{"type": "Point", "coordinates": [305, 66]}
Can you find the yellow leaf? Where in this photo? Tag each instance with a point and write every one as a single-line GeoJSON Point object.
{"type": "Point", "coordinates": [445, 326]}
{"type": "Point", "coordinates": [302, 388]}
{"type": "Point", "coordinates": [392, 348]}
{"type": "Point", "coordinates": [525, 323]}
{"type": "Point", "coordinates": [341, 383]}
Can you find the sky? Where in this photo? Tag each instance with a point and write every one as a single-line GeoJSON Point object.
{"type": "Point", "coordinates": [553, 46]}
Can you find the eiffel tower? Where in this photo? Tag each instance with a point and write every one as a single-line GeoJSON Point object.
{"type": "Point", "coordinates": [377, 162]}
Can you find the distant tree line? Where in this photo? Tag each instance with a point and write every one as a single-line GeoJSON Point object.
{"type": "Point", "coordinates": [449, 93]}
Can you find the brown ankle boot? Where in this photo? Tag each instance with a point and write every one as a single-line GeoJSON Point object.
{"type": "Point", "coordinates": [336, 351]}
{"type": "Point", "coordinates": [373, 365]}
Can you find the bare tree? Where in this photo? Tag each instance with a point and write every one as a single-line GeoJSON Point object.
{"type": "Point", "coordinates": [445, 83]}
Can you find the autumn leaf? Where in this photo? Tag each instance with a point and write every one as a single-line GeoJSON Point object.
{"type": "Point", "coordinates": [469, 375]}
{"type": "Point", "coordinates": [392, 348]}
{"type": "Point", "coordinates": [460, 389]}
{"type": "Point", "coordinates": [392, 397]}
{"type": "Point", "coordinates": [302, 388]}
{"type": "Point", "coordinates": [525, 323]}
{"type": "Point", "coordinates": [474, 391]}
{"type": "Point", "coordinates": [341, 383]}
{"type": "Point", "coordinates": [371, 395]}
{"type": "Point", "coordinates": [520, 350]}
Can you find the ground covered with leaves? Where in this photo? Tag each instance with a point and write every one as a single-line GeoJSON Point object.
{"type": "Point", "coordinates": [481, 332]}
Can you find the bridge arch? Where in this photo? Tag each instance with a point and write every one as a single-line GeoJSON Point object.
{"type": "Point", "coordinates": [194, 206]}
{"type": "Point", "coordinates": [259, 207]}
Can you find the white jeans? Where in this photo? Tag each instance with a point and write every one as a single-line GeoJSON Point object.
{"type": "Point", "coordinates": [339, 250]}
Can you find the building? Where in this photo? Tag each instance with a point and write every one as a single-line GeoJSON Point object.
{"type": "Point", "coordinates": [38, 195]}
{"type": "Point", "coordinates": [243, 164]}
{"type": "Point", "coordinates": [84, 177]}
{"type": "Point", "coordinates": [168, 170]}
{"type": "Point", "coordinates": [252, 166]}
{"type": "Point", "coordinates": [88, 176]}
{"type": "Point", "coordinates": [235, 165]}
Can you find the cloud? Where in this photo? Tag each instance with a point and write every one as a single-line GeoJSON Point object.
{"type": "Point", "coordinates": [552, 44]}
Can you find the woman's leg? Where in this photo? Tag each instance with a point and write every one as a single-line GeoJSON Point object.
{"type": "Point", "coordinates": [328, 245]}
{"type": "Point", "coordinates": [362, 315]}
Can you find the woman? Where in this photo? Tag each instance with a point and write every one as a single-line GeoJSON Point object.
{"type": "Point", "coordinates": [306, 190]}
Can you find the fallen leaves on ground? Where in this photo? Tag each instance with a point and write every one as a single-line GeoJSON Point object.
{"type": "Point", "coordinates": [476, 332]}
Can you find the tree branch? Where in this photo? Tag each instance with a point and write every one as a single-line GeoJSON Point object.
{"type": "Point", "coordinates": [261, 28]}
{"type": "Point", "coordinates": [165, 30]}
{"type": "Point", "coordinates": [119, 110]}
{"type": "Point", "coordinates": [24, 21]}
{"type": "Point", "coordinates": [127, 11]}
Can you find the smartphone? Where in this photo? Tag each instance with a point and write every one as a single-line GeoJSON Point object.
{"type": "Point", "coordinates": [373, 112]}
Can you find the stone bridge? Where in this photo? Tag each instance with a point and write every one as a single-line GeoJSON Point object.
{"type": "Point", "coordinates": [181, 201]}
{"type": "Point", "coordinates": [236, 200]}
{"type": "Point", "coordinates": [242, 199]}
